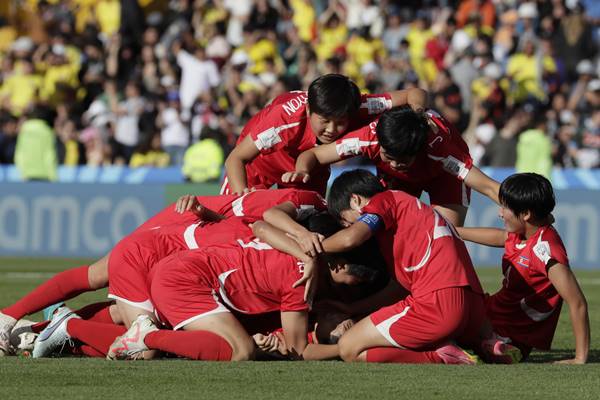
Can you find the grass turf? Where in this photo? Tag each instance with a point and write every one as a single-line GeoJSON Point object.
{"type": "Point", "coordinates": [96, 378]}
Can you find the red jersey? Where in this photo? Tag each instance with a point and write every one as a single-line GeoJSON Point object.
{"type": "Point", "coordinates": [527, 307]}
{"type": "Point", "coordinates": [251, 205]}
{"type": "Point", "coordinates": [423, 249]}
{"type": "Point", "coordinates": [282, 131]}
{"type": "Point", "coordinates": [250, 276]}
{"type": "Point", "coordinates": [445, 151]}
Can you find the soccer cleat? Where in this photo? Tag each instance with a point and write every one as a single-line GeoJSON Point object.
{"type": "Point", "coordinates": [453, 354]}
{"type": "Point", "coordinates": [22, 338]}
{"type": "Point", "coordinates": [130, 345]}
{"type": "Point", "coordinates": [55, 335]}
{"type": "Point", "coordinates": [6, 325]}
{"type": "Point", "coordinates": [498, 351]}
{"type": "Point", "coordinates": [49, 311]}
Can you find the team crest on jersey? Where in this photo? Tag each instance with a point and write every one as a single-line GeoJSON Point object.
{"type": "Point", "coordinates": [542, 251]}
{"type": "Point", "coordinates": [523, 261]}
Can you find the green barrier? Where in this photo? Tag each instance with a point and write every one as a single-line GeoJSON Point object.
{"type": "Point", "coordinates": [174, 191]}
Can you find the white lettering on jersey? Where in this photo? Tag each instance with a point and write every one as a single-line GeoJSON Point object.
{"type": "Point", "coordinates": [237, 206]}
{"type": "Point", "coordinates": [294, 104]}
{"type": "Point", "coordinates": [542, 250]}
{"type": "Point", "coordinates": [439, 231]}
{"type": "Point", "coordinates": [376, 105]}
{"type": "Point", "coordinates": [452, 165]}
{"type": "Point", "coordinates": [352, 146]}
{"type": "Point", "coordinates": [223, 293]}
{"type": "Point", "coordinates": [534, 314]}
{"type": "Point", "coordinates": [255, 244]}
{"type": "Point", "coordinates": [270, 137]}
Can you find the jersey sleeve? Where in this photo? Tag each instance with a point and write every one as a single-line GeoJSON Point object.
{"type": "Point", "coordinates": [292, 299]}
{"type": "Point", "coordinates": [383, 205]}
{"type": "Point", "coordinates": [360, 142]}
{"type": "Point", "coordinates": [446, 147]}
{"type": "Point", "coordinates": [275, 126]}
{"type": "Point", "coordinates": [373, 104]}
{"type": "Point", "coordinates": [549, 247]}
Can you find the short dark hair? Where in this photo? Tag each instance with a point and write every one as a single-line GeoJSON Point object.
{"type": "Point", "coordinates": [358, 181]}
{"type": "Point", "coordinates": [402, 131]}
{"type": "Point", "coordinates": [333, 96]}
{"type": "Point", "coordinates": [527, 192]}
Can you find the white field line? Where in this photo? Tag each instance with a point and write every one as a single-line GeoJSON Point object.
{"type": "Point", "coordinates": [46, 275]}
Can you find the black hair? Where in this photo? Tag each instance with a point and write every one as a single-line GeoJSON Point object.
{"type": "Point", "coordinates": [527, 192]}
{"type": "Point", "coordinates": [333, 96]}
{"type": "Point", "coordinates": [402, 131]}
{"type": "Point", "coordinates": [358, 181]}
{"type": "Point", "coordinates": [322, 223]}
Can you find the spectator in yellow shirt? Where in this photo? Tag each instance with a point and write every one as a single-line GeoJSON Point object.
{"type": "Point", "coordinates": [525, 70]}
{"type": "Point", "coordinates": [20, 90]}
{"type": "Point", "coordinates": [149, 154]}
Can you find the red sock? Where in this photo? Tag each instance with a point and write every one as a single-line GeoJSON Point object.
{"type": "Point", "coordinates": [402, 356]}
{"type": "Point", "coordinates": [62, 286]}
{"type": "Point", "coordinates": [98, 312]}
{"type": "Point", "coordinates": [95, 334]}
{"type": "Point", "coordinates": [195, 345]}
{"type": "Point", "coordinates": [85, 350]}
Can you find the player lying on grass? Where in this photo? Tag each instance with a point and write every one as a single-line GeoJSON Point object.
{"type": "Point", "coordinates": [190, 290]}
{"type": "Point", "coordinates": [70, 283]}
{"type": "Point", "coordinates": [537, 276]}
{"type": "Point", "coordinates": [297, 121]}
{"type": "Point", "coordinates": [413, 151]}
{"type": "Point", "coordinates": [424, 255]}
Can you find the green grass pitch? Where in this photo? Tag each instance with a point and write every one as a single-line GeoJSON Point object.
{"type": "Point", "coordinates": [75, 378]}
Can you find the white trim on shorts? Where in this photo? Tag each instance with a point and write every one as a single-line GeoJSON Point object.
{"type": "Point", "coordinates": [220, 309]}
{"type": "Point", "coordinates": [384, 326]}
{"type": "Point", "coordinates": [144, 305]}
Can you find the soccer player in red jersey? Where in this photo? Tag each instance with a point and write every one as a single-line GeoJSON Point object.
{"type": "Point", "coordinates": [537, 276]}
{"type": "Point", "coordinates": [297, 121]}
{"type": "Point", "coordinates": [425, 255]}
{"type": "Point", "coordinates": [71, 283]}
{"type": "Point", "coordinates": [414, 152]}
{"type": "Point", "coordinates": [196, 290]}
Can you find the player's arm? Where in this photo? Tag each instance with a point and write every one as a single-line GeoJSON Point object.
{"type": "Point", "coordinates": [485, 185]}
{"type": "Point", "coordinates": [493, 237]}
{"type": "Point", "coordinates": [416, 98]}
{"type": "Point", "coordinates": [348, 238]}
{"type": "Point", "coordinates": [324, 154]}
{"type": "Point", "coordinates": [295, 329]}
{"type": "Point", "coordinates": [235, 164]}
{"type": "Point", "coordinates": [189, 202]}
{"type": "Point", "coordinates": [567, 287]}
{"type": "Point", "coordinates": [277, 239]}
{"type": "Point", "coordinates": [283, 216]}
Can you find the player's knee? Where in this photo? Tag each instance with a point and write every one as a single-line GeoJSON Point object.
{"type": "Point", "coordinates": [98, 274]}
{"type": "Point", "coordinates": [348, 352]}
{"type": "Point", "coordinates": [243, 350]}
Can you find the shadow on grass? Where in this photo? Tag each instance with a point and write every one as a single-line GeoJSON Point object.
{"type": "Point", "coordinates": [560, 354]}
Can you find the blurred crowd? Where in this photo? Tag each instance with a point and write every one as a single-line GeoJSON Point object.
{"type": "Point", "coordinates": [156, 83]}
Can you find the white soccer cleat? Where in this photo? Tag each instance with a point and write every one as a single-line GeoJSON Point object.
{"type": "Point", "coordinates": [55, 335]}
{"type": "Point", "coordinates": [130, 345]}
{"type": "Point", "coordinates": [7, 323]}
{"type": "Point", "coordinates": [22, 338]}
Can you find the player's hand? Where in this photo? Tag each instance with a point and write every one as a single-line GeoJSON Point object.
{"type": "Point", "coordinates": [309, 242]}
{"type": "Point", "coordinates": [243, 191]}
{"type": "Point", "coordinates": [570, 361]}
{"type": "Point", "coordinates": [273, 342]}
{"type": "Point", "coordinates": [340, 329]}
{"type": "Point", "coordinates": [309, 279]}
{"type": "Point", "coordinates": [189, 202]}
{"type": "Point", "coordinates": [295, 176]}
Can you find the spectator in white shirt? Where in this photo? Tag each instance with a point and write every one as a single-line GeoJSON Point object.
{"type": "Point", "coordinates": [174, 135]}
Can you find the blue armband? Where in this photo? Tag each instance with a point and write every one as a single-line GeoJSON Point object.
{"type": "Point", "coordinates": [373, 221]}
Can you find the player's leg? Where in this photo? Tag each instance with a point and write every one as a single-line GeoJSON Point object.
{"type": "Point", "coordinates": [63, 286]}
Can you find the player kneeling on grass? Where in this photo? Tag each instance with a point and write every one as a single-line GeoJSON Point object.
{"type": "Point", "coordinates": [194, 291]}
{"type": "Point", "coordinates": [537, 276]}
{"type": "Point", "coordinates": [445, 305]}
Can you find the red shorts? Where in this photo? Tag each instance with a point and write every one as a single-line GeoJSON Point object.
{"type": "Point", "coordinates": [129, 265]}
{"type": "Point", "coordinates": [181, 297]}
{"type": "Point", "coordinates": [448, 189]}
{"type": "Point", "coordinates": [430, 321]}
